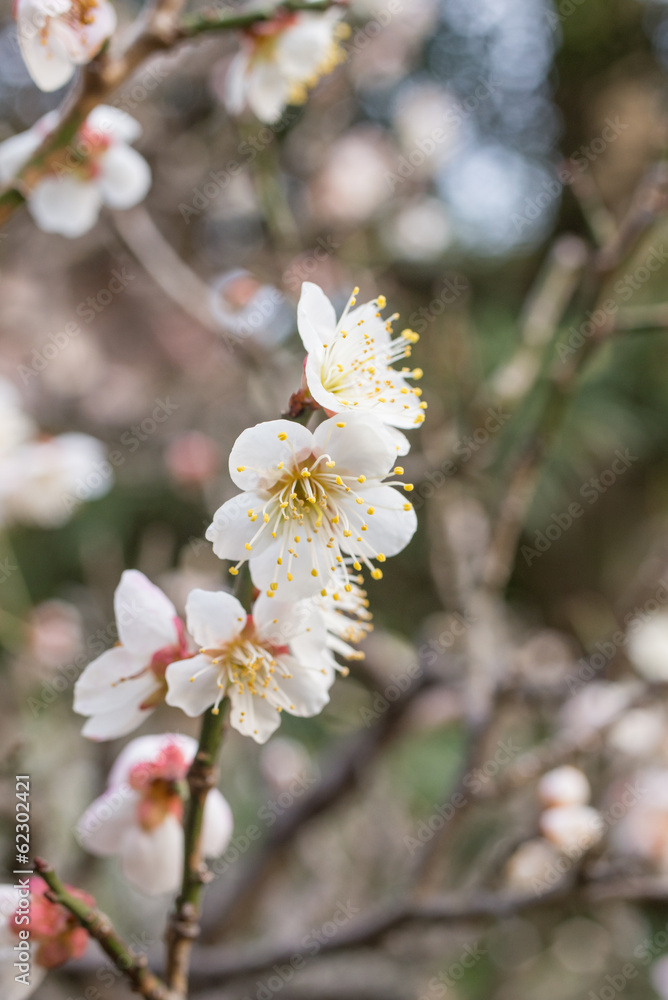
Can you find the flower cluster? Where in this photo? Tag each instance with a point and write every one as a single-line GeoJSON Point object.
{"type": "Point", "coordinates": [39, 475]}
{"type": "Point", "coordinates": [101, 169]}
{"type": "Point", "coordinates": [316, 510]}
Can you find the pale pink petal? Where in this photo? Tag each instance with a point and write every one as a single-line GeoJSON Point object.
{"type": "Point", "coordinates": [109, 682]}
{"type": "Point", "coordinates": [115, 723]}
{"type": "Point", "coordinates": [145, 616]}
{"type": "Point", "coordinates": [149, 749]}
{"type": "Point", "coordinates": [154, 861]}
{"type": "Point", "coordinates": [115, 124]}
{"type": "Point", "coordinates": [102, 827]}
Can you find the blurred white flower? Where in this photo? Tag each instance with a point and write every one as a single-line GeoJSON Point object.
{"type": "Point", "coordinates": [15, 425]}
{"type": "Point", "coordinates": [419, 231]}
{"type": "Point", "coordinates": [45, 480]}
{"type": "Point", "coordinates": [10, 989]}
{"type": "Point", "coordinates": [427, 119]}
{"type": "Point", "coordinates": [643, 830]}
{"type": "Point", "coordinates": [105, 170]}
{"type": "Point", "coordinates": [271, 661]}
{"type": "Point", "coordinates": [247, 309]}
{"type": "Point", "coordinates": [349, 363]}
{"type": "Point", "coordinates": [56, 36]}
{"type": "Point", "coordinates": [639, 732]}
{"type": "Point", "coordinates": [564, 786]}
{"type": "Point", "coordinates": [648, 646]}
{"type": "Point", "coordinates": [531, 863]}
{"type": "Point", "coordinates": [139, 816]}
{"type": "Point", "coordinates": [120, 688]}
{"type": "Point", "coordinates": [280, 60]}
{"type": "Point", "coordinates": [365, 154]}
{"type": "Point", "coordinates": [573, 829]}
{"type": "Point", "coordinates": [320, 500]}
{"type": "Point", "coordinates": [55, 633]}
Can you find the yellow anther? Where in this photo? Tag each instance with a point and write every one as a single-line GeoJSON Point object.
{"type": "Point", "coordinates": [361, 479]}
{"type": "Point", "coordinates": [377, 574]}
{"type": "Point", "coordinates": [408, 487]}
{"type": "Point", "coordinates": [407, 506]}
{"type": "Point", "coordinates": [381, 557]}
{"type": "Point", "coordinates": [417, 373]}
{"type": "Point", "coordinates": [341, 423]}
{"type": "Point", "coordinates": [399, 470]}
{"type": "Point", "coordinates": [234, 571]}
{"type": "Point", "coordinates": [382, 301]}
{"type": "Point", "coordinates": [357, 566]}
{"type": "Point", "coordinates": [248, 546]}
{"type": "Point", "coordinates": [241, 468]}
{"type": "Point", "coordinates": [282, 436]}
{"type": "Point", "coordinates": [289, 577]}
{"type": "Point", "coordinates": [371, 510]}
{"type": "Point", "coordinates": [314, 572]}
{"type": "Point", "coordinates": [273, 586]}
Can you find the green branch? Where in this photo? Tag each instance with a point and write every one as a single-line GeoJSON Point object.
{"type": "Point", "coordinates": [100, 927]}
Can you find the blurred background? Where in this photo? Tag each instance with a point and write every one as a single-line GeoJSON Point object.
{"type": "Point", "coordinates": [462, 162]}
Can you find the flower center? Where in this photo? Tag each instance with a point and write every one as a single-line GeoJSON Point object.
{"type": "Point", "coordinates": [320, 516]}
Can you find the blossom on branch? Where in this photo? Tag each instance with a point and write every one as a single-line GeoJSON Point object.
{"type": "Point", "coordinates": [98, 168]}
{"type": "Point", "coordinates": [33, 927]}
{"type": "Point", "coordinates": [313, 503]}
{"type": "Point", "coordinates": [280, 60]}
{"type": "Point", "coordinates": [139, 817]}
{"type": "Point", "coordinates": [56, 36]}
{"type": "Point", "coordinates": [272, 661]}
{"type": "Point", "coordinates": [120, 688]}
{"type": "Point", "coordinates": [349, 364]}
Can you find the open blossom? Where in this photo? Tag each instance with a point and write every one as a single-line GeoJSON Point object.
{"type": "Point", "coordinates": [564, 786]}
{"type": "Point", "coordinates": [281, 59]}
{"type": "Point", "coordinates": [271, 661]}
{"type": "Point", "coordinates": [349, 364]}
{"type": "Point", "coordinates": [43, 481]}
{"type": "Point", "coordinates": [55, 937]}
{"type": "Point", "coordinates": [312, 503]}
{"type": "Point", "coordinates": [120, 688]}
{"type": "Point", "coordinates": [56, 36]}
{"type": "Point", "coordinates": [139, 817]}
{"type": "Point", "coordinates": [102, 170]}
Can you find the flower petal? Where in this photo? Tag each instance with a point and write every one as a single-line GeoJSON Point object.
{"type": "Point", "coordinates": [102, 827]}
{"type": "Point", "coordinates": [267, 90]}
{"type": "Point", "coordinates": [231, 527]}
{"type": "Point", "coordinates": [44, 52]}
{"type": "Point", "coordinates": [235, 83]}
{"type": "Point", "coordinates": [262, 566]}
{"type": "Point", "coordinates": [154, 861]}
{"type": "Point", "coordinates": [145, 616]}
{"type": "Point", "coordinates": [115, 723]}
{"type": "Point", "coordinates": [125, 177]}
{"type": "Point", "coordinates": [66, 206]}
{"type": "Point", "coordinates": [258, 451]}
{"type": "Point", "coordinates": [299, 689]}
{"type": "Point", "coordinates": [252, 715]}
{"type": "Point", "coordinates": [316, 318]}
{"type": "Point", "coordinates": [192, 696]}
{"type": "Point", "coordinates": [16, 151]}
{"type": "Point", "coordinates": [361, 447]}
{"type": "Point", "coordinates": [146, 750]}
{"type": "Point", "coordinates": [214, 617]}
{"type": "Point", "coordinates": [108, 682]}
{"type": "Point", "coordinates": [390, 528]}
{"type": "Point", "coordinates": [113, 123]}
{"type": "Point", "coordinates": [217, 825]}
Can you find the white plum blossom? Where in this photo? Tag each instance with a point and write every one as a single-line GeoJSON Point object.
{"type": "Point", "coordinates": [313, 502]}
{"type": "Point", "coordinates": [102, 170]}
{"type": "Point", "coordinates": [139, 816]}
{"type": "Point", "coordinates": [272, 661]}
{"type": "Point", "coordinates": [648, 647]}
{"type": "Point", "coordinates": [57, 36]}
{"type": "Point", "coordinates": [44, 480]}
{"type": "Point", "coordinates": [281, 59]}
{"type": "Point", "coordinates": [573, 829]}
{"type": "Point", "coordinates": [564, 786]}
{"type": "Point", "coordinates": [120, 688]}
{"type": "Point", "coordinates": [349, 363]}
